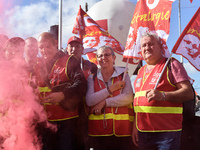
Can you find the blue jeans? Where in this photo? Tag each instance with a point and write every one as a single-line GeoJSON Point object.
{"type": "Point", "coordinates": [159, 140]}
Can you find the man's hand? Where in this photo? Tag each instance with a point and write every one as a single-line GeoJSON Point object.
{"type": "Point", "coordinates": [154, 95]}
{"type": "Point", "coordinates": [54, 98]}
{"type": "Point", "coordinates": [182, 94]}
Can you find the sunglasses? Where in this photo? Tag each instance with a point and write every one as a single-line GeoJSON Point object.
{"type": "Point", "coordinates": [105, 55]}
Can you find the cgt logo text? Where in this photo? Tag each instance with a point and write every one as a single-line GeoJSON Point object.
{"type": "Point", "coordinates": [155, 78]}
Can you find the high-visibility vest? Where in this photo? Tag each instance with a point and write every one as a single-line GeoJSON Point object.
{"type": "Point", "coordinates": [58, 75]}
{"type": "Point", "coordinates": [156, 116]}
{"type": "Point", "coordinates": [110, 123]}
{"type": "Point", "coordinates": [86, 68]}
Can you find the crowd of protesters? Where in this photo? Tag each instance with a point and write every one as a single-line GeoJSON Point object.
{"type": "Point", "coordinates": [95, 107]}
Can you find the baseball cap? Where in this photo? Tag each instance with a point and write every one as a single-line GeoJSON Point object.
{"type": "Point", "coordinates": [74, 38]}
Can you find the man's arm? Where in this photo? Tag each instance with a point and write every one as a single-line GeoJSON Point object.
{"type": "Point", "coordinates": [74, 91]}
{"type": "Point", "coordinates": [180, 78]}
{"type": "Point", "coordinates": [69, 94]}
{"type": "Point", "coordinates": [182, 94]}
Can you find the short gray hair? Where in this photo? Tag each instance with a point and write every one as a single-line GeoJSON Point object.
{"type": "Point", "coordinates": [104, 47]}
{"type": "Point", "coordinates": [155, 36]}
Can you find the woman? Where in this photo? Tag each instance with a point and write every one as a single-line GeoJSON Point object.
{"type": "Point", "coordinates": [110, 102]}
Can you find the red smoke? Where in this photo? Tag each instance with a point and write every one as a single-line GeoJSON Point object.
{"type": "Point", "coordinates": [19, 110]}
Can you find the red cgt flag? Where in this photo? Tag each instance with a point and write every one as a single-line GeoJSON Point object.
{"type": "Point", "coordinates": [79, 26]}
{"type": "Point", "coordinates": [93, 35]}
{"type": "Point", "coordinates": [151, 17]}
{"type": "Point", "coordinates": [188, 44]}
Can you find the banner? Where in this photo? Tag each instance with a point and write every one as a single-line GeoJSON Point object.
{"type": "Point", "coordinates": [93, 35]}
{"type": "Point", "coordinates": [151, 17]}
{"type": "Point", "coordinates": [188, 44]}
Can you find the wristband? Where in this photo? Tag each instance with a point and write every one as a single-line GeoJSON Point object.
{"type": "Point", "coordinates": [163, 96]}
{"type": "Point", "coordinates": [109, 90]}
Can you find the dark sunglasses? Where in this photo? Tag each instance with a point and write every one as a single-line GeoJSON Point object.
{"type": "Point", "coordinates": [105, 55]}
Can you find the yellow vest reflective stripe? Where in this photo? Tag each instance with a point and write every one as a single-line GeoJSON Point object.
{"type": "Point", "coordinates": [139, 94]}
{"type": "Point", "coordinates": [44, 89]}
{"type": "Point", "coordinates": [152, 116]}
{"type": "Point", "coordinates": [50, 104]}
{"type": "Point", "coordinates": [110, 123]}
{"type": "Point", "coordinates": [111, 116]}
{"type": "Point", "coordinates": [155, 109]}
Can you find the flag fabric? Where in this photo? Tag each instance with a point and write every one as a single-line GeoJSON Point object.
{"type": "Point", "coordinates": [151, 17]}
{"type": "Point", "coordinates": [191, 1]}
{"type": "Point", "coordinates": [79, 26]}
{"type": "Point", "coordinates": [93, 35]}
{"type": "Point", "coordinates": [188, 44]}
{"type": "Point", "coordinates": [191, 80]}
{"type": "Point", "coordinates": [92, 57]}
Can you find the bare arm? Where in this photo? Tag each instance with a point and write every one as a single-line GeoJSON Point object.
{"type": "Point", "coordinates": [182, 94]}
{"type": "Point", "coordinates": [180, 78]}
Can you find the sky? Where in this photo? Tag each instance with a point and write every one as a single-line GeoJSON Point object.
{"type": "Point", "coordinates": [25, 18]}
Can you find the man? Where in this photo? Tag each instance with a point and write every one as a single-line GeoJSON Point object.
{"type": "Point", "coordinates": [31, 51]}
{"type": "Point", "coordinates": [75, 48]}
{"type": "Point", "coordinates": [158, 111]}
{"type": "Point", "coordinates": [62, 85]}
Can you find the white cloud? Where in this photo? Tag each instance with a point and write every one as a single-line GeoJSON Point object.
{"type": "Point", "coordinates": [25, 21]}
{"type": "Point", "coordinates": [33, 19]}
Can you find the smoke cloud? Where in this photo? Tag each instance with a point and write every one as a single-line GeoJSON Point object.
{"type": "Point", "coordinates": [20, 112]}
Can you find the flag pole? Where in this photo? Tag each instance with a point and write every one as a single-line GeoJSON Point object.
{"type": "Point", "coordinates": [60, 26]}
{"type": "Point", "coordinates": [163, 70]}
{"type": "Point", "coordinates": [171, 52]}
{"type": "Point", "coordinates": [179, 18]}
{"type": "Point", "coordinates": [125, 70]}
{"type": "Point", "coordinates": [123, 80]}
